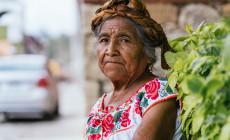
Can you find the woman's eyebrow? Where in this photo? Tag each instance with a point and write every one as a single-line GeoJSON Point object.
{"type": "Point", "coordinates": [124, 34]}
{"type": "Point", "coordinates": [103, 35]}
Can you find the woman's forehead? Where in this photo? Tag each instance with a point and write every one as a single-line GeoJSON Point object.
{"type": "Point", "coordinates": [118, 24]}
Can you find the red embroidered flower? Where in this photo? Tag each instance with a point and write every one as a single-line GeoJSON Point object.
{"type": "Point", "coordinates": [152, 88]}
{"type": "Point", "coordinates": [137, 108]}
{"type": "Point", "coordinates": [108, 124]}
{"type": "Point", "coordinates": [96, 122]}
{"type": "Point", "coordinates": [91, 112]}
{"type": "Point", "coordinates": [94, 137]}
{"type": "Point", "coordinates": [109, 108]}
{"type": "Point", "coordinates": [124, 119]}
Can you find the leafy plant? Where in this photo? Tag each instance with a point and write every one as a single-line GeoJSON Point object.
{"type": "Point", "coordinates": [201, 68]}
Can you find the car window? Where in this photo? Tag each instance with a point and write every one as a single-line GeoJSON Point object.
{"type": "Point", "coordinates": [21, 67]}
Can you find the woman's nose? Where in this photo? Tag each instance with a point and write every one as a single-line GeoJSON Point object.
{"type": "Point", "coordinates": [112, 49]}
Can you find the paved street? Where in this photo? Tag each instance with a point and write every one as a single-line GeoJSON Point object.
{"type": "Point", "coordinates": [68, 126]}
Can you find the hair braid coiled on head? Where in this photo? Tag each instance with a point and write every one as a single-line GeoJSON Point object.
{"type": "Point", "coordinates": [135, 10]}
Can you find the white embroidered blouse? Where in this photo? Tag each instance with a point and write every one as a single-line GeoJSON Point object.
{"type": "Point", "coordinates": [120, 123]}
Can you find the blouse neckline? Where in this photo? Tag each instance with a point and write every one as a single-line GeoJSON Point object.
{"type": "Point", "coordinates": [103, 98]}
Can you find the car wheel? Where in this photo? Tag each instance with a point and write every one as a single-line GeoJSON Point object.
{"type": "Point", "coordinates": [48, 115]}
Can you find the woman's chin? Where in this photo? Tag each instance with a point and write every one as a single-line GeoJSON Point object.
{"type": "Point", "coordinates": [116, 75]}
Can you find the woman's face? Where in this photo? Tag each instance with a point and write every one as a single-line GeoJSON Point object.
{"type": "Point", "coordinates": [120, 50]}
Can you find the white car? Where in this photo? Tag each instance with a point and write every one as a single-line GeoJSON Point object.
{"type": "Point", "coordinates": [27, 89]}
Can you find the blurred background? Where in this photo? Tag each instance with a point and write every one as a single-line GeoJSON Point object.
{"type": "Point", "coordinates": [49, 77]}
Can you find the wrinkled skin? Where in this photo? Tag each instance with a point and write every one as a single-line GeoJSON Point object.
{"type": "Point", "coordinates": [120, 51]}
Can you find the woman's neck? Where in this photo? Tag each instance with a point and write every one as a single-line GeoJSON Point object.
{"type": "Point", "coordinates": [124, 90]}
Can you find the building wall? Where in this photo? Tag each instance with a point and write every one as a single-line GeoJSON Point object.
{"type": "Point", "coordinates": [173, 15]}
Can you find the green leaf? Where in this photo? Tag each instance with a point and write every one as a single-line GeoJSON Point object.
{"type": "Point", "coordinates": [195, 84]}
{"type": "Point", "coordinates": [178, 65]}
{"type": "Point", "coordinates": [213, 86]}
{"type": "Point", "coordinates": [197, 63]}
{"type": "Point", "coordinates": [225, 135]}
{"type": "Point", "coordinates": [191, 100]}
{"type": "Point", "coordinates": [172, 81]}
{"type": "Point", "coordinates": [178, 47]}
{"type": "Point", "coordinates": [181, 38]}
{"type": "Point", "coordinates": [184, 87]}
{"type": "Point", "coordinates": [182, 55]}
{"type": "Point", "coordinates": [201, 68]}
{"type": "Point", "coordinates": [197, 120]}
{"type": "Point", "coordinates": [226, 55]}
{"type": "Point", "coordinates": [189, 29]}
{"type": "Point", "coordinates": [215, 131]}
{"type": "Point", "coordinates": [170, 59]}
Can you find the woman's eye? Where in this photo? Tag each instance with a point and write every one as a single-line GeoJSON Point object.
{"type": "Point", "coordinates": [125, 40]}
{"type": "Point", "coordinates": [104, 40]}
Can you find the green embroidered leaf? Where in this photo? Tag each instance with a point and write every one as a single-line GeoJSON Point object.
{"type": "Point", "coordinates": [145, 103]}
{"type": "Point", "coordinates": [141, 95]}
{"type": "Point", "coordinates": [89, 119]}
{"type": "Point", "coordinates": [90, 131]}
{"type": "Point", "coordinates": [117, 116]}
{"type": "Point", "coordinates": [99, 129]}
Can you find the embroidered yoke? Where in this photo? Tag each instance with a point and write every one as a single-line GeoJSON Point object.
{"type": "Point", "coordinates": [120, 123]}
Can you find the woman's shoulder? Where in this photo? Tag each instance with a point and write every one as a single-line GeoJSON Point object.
{"type": "Point", "coordinates": [153, 92]}
{"type": "Point", "coordinates": [159, 85]}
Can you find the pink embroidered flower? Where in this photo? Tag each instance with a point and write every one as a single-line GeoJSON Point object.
{"type": "Point", "coordinates": [96, 122]}
{"type": "Point", "coordinates": [153, 96]}
{"type": "Point", "coordinates": [109, 108]}
{"type": "Point", "coordinates": [125, 121]}
{"type": "Point", "coordinates": [152, 88]}
{"type": "Point", "coordinates": [137, 108]}
{"type": "Point", "coordinates": [91, 112]}
{"type": "Point", "coordinates": [108, 124]}
{"type": "Point", "coordinates": [94, 137]}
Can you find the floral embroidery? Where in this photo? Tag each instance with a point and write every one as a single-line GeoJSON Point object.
{"type": "Point", "coordinates": [94, 137]}
{"type": "Point", "coordinates": [106, 122]}
{"type": "Point", "coordinates": [124, 119]}
{"type": "Point", "coordinates": [137, 107]}
{"type": "Point", "coordinates": [96, 122]}
{"type": "Point", "coordinates": [152, 88]}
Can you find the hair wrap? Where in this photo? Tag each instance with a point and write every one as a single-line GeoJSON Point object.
{"type": "Point", "coordinates": [136, 10]}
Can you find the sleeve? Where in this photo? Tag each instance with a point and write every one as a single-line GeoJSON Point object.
{"type": "Point", "coordinates": [155, 91]}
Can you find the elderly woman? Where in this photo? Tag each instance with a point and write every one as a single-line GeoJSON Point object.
{"type": "Point", "coordinates": [140, 107]}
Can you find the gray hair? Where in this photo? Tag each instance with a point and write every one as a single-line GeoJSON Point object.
{"type": "Point", "coordinates": [149, 47]}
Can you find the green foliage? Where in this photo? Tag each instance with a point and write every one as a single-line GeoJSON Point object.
{"type": "Point", "coordinates": [201, 68]}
